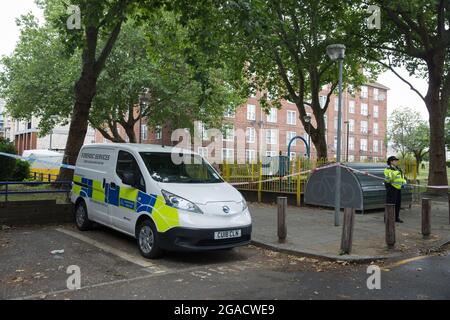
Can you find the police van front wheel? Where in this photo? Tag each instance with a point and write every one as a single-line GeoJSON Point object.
{"type": "Point", "coordinates": [81, 217]}
{"type": "Point", "coordinates": [147, 240]}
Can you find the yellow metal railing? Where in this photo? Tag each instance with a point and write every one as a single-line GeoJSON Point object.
{"type": "Point", "coordinates": [253, 177]}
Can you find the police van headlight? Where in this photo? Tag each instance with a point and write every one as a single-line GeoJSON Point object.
{"type": "Point", "coordinates": [180, 203]}
{"type": "Point", "coordinates": [244, 204]}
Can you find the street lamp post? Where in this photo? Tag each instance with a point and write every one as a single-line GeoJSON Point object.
{"type": "Point", "coordinates": [308, 121]}
{"type": "Point", "coordinates": [337, 52]}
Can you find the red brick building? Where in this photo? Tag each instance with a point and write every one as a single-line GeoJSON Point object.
{"type": "Point", "coordinates": [249, 132]}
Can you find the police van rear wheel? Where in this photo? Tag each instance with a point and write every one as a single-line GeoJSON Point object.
{"type": "Point", "coordinates": [147, 240]}
{"type": "Point", "coordinates": [81, 218]}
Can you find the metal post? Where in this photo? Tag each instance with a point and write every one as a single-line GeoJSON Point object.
{"type": "Point", "coordinates": [282, 232]}
{"type": "Point", "coordinates": [426, 220]}
{"type": "Point", "coordinates": [389, 216]}
{"type": "Point", "coordinates": [347, 230]}
{"type": "Point", "coordinates": [337, 198]}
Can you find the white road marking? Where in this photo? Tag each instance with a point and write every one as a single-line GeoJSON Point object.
{"type": "Point", "coordinates": [120, 253]}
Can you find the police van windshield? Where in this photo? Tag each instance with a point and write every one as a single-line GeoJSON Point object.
{"type": "Point", "coordinates": [193, 170]}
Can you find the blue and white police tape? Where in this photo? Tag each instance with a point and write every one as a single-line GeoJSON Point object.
{"type": "Point", "coordinates": [34, 159]}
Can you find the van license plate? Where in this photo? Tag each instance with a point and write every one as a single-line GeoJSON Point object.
{"type": "Point", "coordinates": [227, 234]}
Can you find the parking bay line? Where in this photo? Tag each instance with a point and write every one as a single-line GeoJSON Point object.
{"type": "Point", "coordinates": [402, 262]}
{"type": "Point", "coordinates": [121, 254]}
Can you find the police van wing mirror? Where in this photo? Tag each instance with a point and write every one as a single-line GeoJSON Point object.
{"type": "Point", "coordinates": [129, 178]}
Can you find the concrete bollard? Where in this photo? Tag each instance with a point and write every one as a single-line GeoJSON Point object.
{"type": "Point", "coordinates": [389, 216]}
{"type": "Point", "coordinates": [347, 230]}
{"type": "Point", "coordinates": [426, 217]}
{"type": "Point", "coordinates": [282, 231]}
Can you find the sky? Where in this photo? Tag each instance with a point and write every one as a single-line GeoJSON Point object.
{"type": "Point", "coordinates": [399, 95]}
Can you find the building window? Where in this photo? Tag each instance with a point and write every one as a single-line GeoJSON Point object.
{"type": "Point", "coordinates": [375, 111]}
{"type": "Point", "coordinates": [271, 137]}
{"type": "Point", "coordinates": [271, 153]}
{"type": "Point", "coordinates": [336, 104]}
{"type": "Point", "coordinates": [351, 143]}
{"type": "Point", "coordinates": [228, 132]}
{"type": "Point", "coordinates": [229, 113]}
{"type": "Point", "coordinates": [250, 156]}
{"type": "Point", "coordinates": [375, 94]}
{"type": "Point", "coordinates": [250, 134]}
{"type": "Point", "coordinates": [289, 136]}
{"type": "Point", "coordinates": [325, 120]}
{"type": "Point", "coordinates": [144, 132]}
{"type": "Point", "coordinates": [335, 143]}
{"type": "Point", "coordinates": [228, 154]}
{"type": "Point", "coordinates": [322, 101]}
{"type": "Point", "coordinates": [335, 122]}
{"type": "Point", "coordinates": [158, 132]}
{"type": "Point", "coordinates": [251, 112]}
{"type": "Point", "coordinates": [363, 126]}
{"type": "Point", "coordinates": [351, 106]}
{"type": "Point", "coordinates": [291, 117]}
{"type": "Point", "coordinates": [375, 128]}
{"type": "Point", "coordinates": [364, 109]}
{"type": "Point", "coordinates": [203, 151]}
{"type": "Point", "coordinates": [363, 143]}
{"type": "Point", "coordinates": [351, 125]}
{"type": "Point", "coordinates": [272, 116]}
{"type": "Point", "coordinates": [364, 92]}
{"type": "Point", "coordinates": [351, 158]}
{"type": "Point", "coordinates": [363, 158]}
{"type": "Point", "coordinates": [375, 145]}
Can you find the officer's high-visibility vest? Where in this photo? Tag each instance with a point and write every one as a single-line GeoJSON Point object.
{"type": "Point", "coordinates": [394, 176]}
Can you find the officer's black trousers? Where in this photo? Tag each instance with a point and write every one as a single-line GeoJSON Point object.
{"type": "Point", "coordinates": [394, 196]}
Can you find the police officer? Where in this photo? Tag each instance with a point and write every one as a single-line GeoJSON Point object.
{"type": "Point", "coordinates": [395, 181]}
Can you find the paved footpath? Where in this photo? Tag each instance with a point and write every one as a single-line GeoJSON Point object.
{"type": "Point", "coordinates": [311, 231]}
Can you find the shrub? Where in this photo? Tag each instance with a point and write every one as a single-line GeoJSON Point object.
{"type": "Point", "coordinates": [448, 163]}
{"type": "Point", "coordinates": [21, 171]}
{"type": "Point", "coordinates": [7, 164]}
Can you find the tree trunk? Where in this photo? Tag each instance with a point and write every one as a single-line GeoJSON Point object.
{"type": "Point", "coordinates": [320, 144]}
{"type": "Point", "coordinates": [437, 174]}
{"type": "Point", "coordinates": [84, 93]}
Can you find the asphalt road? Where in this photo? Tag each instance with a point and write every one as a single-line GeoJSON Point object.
{"type": "Point", "coordinates": [111, 268]}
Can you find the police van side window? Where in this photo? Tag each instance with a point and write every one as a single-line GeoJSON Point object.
{"type": "Point", "coordinates": [127, 163]}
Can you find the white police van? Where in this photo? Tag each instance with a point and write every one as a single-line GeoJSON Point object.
{"type": "Point", "coordinates": [166, 198]}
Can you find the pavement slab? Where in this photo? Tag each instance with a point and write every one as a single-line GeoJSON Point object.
{"type": "Point", "coordinates": [311, 231]}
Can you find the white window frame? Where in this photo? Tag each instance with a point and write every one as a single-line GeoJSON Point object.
{"type": "Point", "coordinates": [250, 135]}
{"type": "Point", "coordinates": [251, 112]}
{"type": "Point", "coordinates": [271, 137]}
{"type": "Point", "coordinates": [351, 143]}
{"type": "Point", "coordinates": [351, 106]}
{"type": "Point", "coordinates": [250, 155]}
{"type": "Point", "coordinates": [289, 136]}
{"type": "Point", "coordinates": [144, 132]}
{"type": "Point", "coordinates": [273, 115]}
{"type": "Point", "coordinates": [291, 117]}
{"type": "Point", "coordinates": [351, 125]}
{"type": "Point", "coordinates": [364, 109]}
{"type": "Point", "coordinates": [375, 128]}
{"type": "Point", "coordinates": [227, 129]}
{"type": "Point", "coordinates": [363, 144]}
{"type": "Point", "coordinates": [364, 128]}
{"type": "Point", "coordinates": [225, 157]}
{"type": "Point", "coordinates": [375, 111]}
